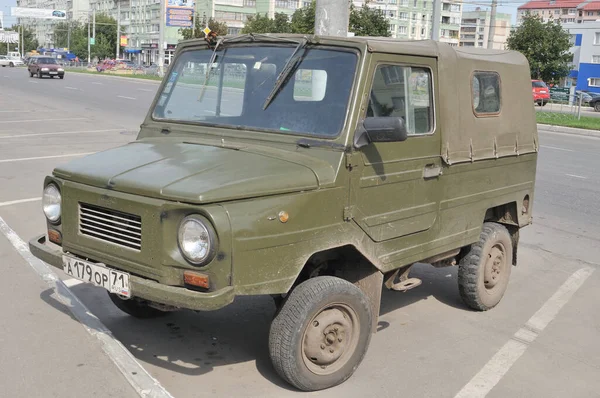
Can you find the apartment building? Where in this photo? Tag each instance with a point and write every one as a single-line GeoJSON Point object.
{"type": "Point", "coordinates": [412, 19]}
{"type": "Point", "coordinates": [475, 29]}
{"type": "Point", "coordinates": [585, 67]}
{"type": "Point", "coordinates": [567, 11]}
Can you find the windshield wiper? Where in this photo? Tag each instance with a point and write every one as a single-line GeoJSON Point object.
{"type": "Point", "coordinates": [212, 60]}
{"type": "Point", "coordinates": [288, 68]}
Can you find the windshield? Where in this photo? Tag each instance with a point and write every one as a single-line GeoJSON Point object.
{"type": "Point", "coordinates": [538, 84]}
{"type": "Point", "coordinates": [46, 61]}
{"type": "Point", "coordinates": [312, 102]}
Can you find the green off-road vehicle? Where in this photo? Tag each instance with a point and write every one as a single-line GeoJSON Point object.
{"type": "Point", "coordinates": [313, 169]}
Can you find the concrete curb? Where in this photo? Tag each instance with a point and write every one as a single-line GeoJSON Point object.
{"type": "Point", "coordinates": [568, 130]}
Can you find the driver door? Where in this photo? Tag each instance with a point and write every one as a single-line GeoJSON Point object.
{"type": "Point", "coordinates": [396, 193]}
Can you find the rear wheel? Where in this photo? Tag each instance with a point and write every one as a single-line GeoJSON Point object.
{"type": "Point", "coordinates": [135, 308]}
{"type": "Point", "coordinates": [12, 65]}
{"type": "Point", "coordinates": [597, 106]}
{"type": "Point", "coordinates": [484, 271]}
{"type": "Point", "coordinates": [321, 333]}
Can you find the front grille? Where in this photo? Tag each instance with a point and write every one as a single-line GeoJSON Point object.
{"type": "Point", "coordinates": [112, 226]}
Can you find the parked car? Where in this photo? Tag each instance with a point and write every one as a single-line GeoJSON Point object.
{"type": "Point", "coordinates": [10, 61]}
{"type": "Point", "coordinates": [45, 66]}
{"type": "Point", "coordinates": [594, 102]}
{"type": "Point", "coordinates": [541, 92]}
{"type": "Point", "coordinates": [321, 179]}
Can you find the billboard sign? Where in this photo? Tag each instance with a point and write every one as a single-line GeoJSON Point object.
{"type": "Point", "coordinates": [123, 41]}
{"type": "Point", "coordinates": [179, 13]}
{"type": "Point", "coordinates": [9, 37]}
{"type": "Point", "coordinates": [40, 13]}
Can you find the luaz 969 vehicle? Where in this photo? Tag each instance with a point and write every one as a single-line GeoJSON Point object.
{"type": "Point", "coordinates": [316, 170]}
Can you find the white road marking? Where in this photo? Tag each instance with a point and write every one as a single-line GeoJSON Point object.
{"type": "Point", "coordinates": [576, 176]}
{"type": "Point", "coordinates": [16, 202]}
{"type": "Point", "coordinates": [122, 96]}
{"type": "Point", "coordinates": [556, 148]}
{"type": "Point", "coordinates": [23, 111]}
{"type": "Point", "coordinates": [483, 382]}
{"type": "Point", "coordinates": [45, 157]}
{"type": "Point", "coordinates": [100, 84]}
{"type": "Point", "coordinates": [42, 120]}
{"type": "Point", "coordinates": [139, 378]}
{"type": "Point", "coordinates": [59, 133]}
{"type": "Point", "coordinates": [31, 81]}
{"type": "Point", "coordinates": [145, 89]}
{"type": "Point", "coordinates": [72, 282]}
{"type": "Point", "coordinates": [72, 88]}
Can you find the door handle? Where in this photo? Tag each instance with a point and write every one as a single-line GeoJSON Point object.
{"type": "Point", "coordinates": [432, 171]}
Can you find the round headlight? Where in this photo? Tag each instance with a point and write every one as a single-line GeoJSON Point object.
{"type": "Point", "coordinates": [196, 240]}
{"type": "Point", "coordinates": [51, 202]}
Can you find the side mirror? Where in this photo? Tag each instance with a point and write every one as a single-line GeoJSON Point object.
{"type": "Point", "coordinates": [380, 129]}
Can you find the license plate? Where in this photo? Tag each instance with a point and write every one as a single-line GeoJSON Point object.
{"type": "Point", "coordinates": [98, 275]}
{"type": "Point", "coordinates": [54, 73]}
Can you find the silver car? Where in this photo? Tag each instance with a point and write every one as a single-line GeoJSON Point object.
{"type": "Point", "coordinates": [10, 61]}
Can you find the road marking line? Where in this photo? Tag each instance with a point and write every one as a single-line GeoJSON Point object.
{"type": "Point", "coordinates": [576, 176]}
{"type": "Point", "coordinates": [122, 96]}
{"type": "Point", "coordinates": [72, 282]}
{"type": "Point", "coordinates": [45, 157]}
{"type": "Point", "coordinates": [16, 202]}
{"type": "Point", "coordinates": [33, 82]}
{"type": "Point", "coordinates": [139, 378]}
{"type": "Point", "coordinates": [483, 382]}
{"type": "Point", "coordinates": [100, 84]}
{"type": "Point", "coordinates": [59, 133]}
{"type": "Point", "coordinates": [22, 111]}
{"type": "Point", "coordinates": [72, 88]}
{"type": "Point", "coordinates": [556, 148]}
{"type": "Point", "coordinates": [145, 89]}
{"type": "Point", "coordinates": [42, 120]}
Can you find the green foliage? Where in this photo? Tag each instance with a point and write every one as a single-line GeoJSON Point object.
{"type": "Point", "coordinates": [29, 41]}
{"type": "Point", "coordinates": [367, 21]}
{"type": "Point", "coordinates": [545, 45]}
{"type": "Point", "coordinates": [303, 19]}
{"type": "Point", "coordinates": [106, 37]}
{"type": "Point", "coordinates": [220, 28]}
{"type": "Point", "coordinates": [364, 21]}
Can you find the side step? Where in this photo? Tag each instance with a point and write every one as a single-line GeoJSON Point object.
{"type": "Point", "coordinates": [404, 282]}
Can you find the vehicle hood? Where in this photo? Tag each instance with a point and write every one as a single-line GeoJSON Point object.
{"type": "Point", "coordinates": [197, 173]}
{"type": "Point", "coordinates": [49, 66]}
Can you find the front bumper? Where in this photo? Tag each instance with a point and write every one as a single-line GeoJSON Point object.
{"type": "Point", "coordinates": [47, 73]}
{"type": "Point", "coordinates": [146, 289]}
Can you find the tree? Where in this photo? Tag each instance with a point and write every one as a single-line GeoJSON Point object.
{"type": "Point", "coordinates": [364, 21]}
{"type": "Point", "coordinates": [106, 37]}
{"type": "Point", "coordinates": [367, 21]}
{"type": "Point", "coordinates": [29, 40]}
{"type": "Point", "coordinates": [220, 28]}
{"type": "Point", "coordinates": [545, 45]}
{"type": "Point", "coordinates": [303, 19]}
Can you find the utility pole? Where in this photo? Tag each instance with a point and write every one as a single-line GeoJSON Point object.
{"type": "Point", "coordinates": [436, 19]}
{"type": "Point", "coordinates": [94, 25]}
{"type": "Point", "coordinates": [194, 12]}
{"type": "Point", "coordinates": [161, 39]}
{"type": "Point", "coordinates": [492, 31]}
{"type": "Point", "coordinates": [118, 28]}
{"type": "Point", "coordinates": [331, 17]}
{"type": "Point", "coordinates": [68, 33]}
{"type": "Point", "coordinates": [89, 49]}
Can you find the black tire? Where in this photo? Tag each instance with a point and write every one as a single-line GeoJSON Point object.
{"type": "Point", "coordinates": [39, 74]}
{"type": "Point", "coordinates": [301, 347]}
{"type": "Point", "coordinates": [61, 77]}
{"type": "Point", "coordinates": [30, 74]}
{"type": "Point", "coordinates": [11, 65]}
{"type": "Point", "coordinates": [543, 103]}
{"type": "Point", "coordinates": [484, 272]}
{"type": "Point", "coordinates": [597, 106]}
{"type": "Point", "coordinates": [135, 308]}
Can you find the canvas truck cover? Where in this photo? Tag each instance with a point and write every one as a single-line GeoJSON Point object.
{"type": "Point", "coordinates": [485, 107]}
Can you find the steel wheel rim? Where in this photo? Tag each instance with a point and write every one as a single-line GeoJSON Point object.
{"type": "Point", "coordinates": [495, 266]}
{"type": "Point", "coordinates": [330, 339]}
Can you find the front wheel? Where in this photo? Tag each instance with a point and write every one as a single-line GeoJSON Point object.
{"type": "Point", "coordinates": [135, 308]}
{"type": "Point", "coordinates": [483, 273]}
{"type": "Point", "coordinates": [597, 106]}
{"type": "Point", "coordinates": [12, 65]}
{"type": "Point", "coordinates": [321, 333]}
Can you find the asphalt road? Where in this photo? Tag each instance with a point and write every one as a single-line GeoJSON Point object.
{"type": "Point", "coordinates": [428, 344]}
